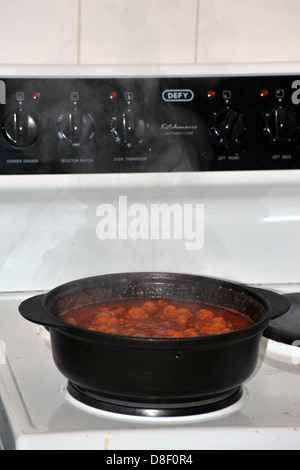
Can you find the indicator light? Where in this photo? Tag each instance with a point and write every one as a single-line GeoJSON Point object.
{"type": "Point", "coordinates": [36, 95]}
{"type": "Point", "coordinates": [211, 94]}
{"type": "Point", "coordinates": [264, 93]}
{"type": "Point", "coordinates": [113, 95]}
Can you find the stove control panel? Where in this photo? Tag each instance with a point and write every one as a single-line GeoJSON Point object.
{"type": "Point", "coordinates": [149, 124]}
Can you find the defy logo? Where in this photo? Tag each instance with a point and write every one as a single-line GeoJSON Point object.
{"type": "Point", "coordinates": [2, 92]}
{"type": "Point", "coordinates": [178, 95]}
{"type": "Point", "coordinates": [296, 93]}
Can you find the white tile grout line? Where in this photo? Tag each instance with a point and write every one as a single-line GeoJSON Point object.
{"type": "Point", "coordinates": [79, 5]}
{"type": "Point", "coordinates": [197, 31]}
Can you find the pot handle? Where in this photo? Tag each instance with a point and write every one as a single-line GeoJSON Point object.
{"type": "Point", "coordinates": [34, 310]}
{"type": "Point", "coordinates": [278, 303]}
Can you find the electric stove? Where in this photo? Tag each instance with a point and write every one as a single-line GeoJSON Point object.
{"type": "Point", "coordinates": [88, 155]}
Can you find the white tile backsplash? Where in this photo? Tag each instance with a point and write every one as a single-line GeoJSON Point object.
{"type": "Point", "coordinates": [138, 31]}
{"type": "Point", "coordinates": [148, 31]}
{"type": "Point", "coordinates": [38, 31]}
{"type": "Point", "coordinates": [248, 31]}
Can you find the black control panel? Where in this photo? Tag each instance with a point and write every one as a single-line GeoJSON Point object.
{"type": "Point", "coordinates": [154, 124]}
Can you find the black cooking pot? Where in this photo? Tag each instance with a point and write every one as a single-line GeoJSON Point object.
{"type": "Point", "coordinates": [156, 376]}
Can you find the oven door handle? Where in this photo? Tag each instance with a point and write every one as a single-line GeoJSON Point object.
{"type": "Point", "coordinates": [34, 310]}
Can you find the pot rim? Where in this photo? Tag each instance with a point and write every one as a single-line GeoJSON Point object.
{"type": "Point", "coordinates": [258, 295]}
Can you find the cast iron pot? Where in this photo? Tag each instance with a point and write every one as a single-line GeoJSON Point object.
{"type": "Point", "coordinates": [160, 376]}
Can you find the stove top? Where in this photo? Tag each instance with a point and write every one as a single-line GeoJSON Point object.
{"type": "Point", "coordinates": [37, 412]}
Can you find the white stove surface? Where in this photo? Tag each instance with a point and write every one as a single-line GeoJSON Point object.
{"type": "Point", "coordinates": [36, 413]}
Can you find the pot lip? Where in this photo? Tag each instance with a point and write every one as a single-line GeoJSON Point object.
{"type": "Point", "coordinates": [216, 339]}
{"type": "Point", "coordinates": [125, 276]}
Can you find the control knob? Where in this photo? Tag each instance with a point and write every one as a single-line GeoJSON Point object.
{"type": "Point", "coordinates": [20, 129]}
{"type": "Point", "coordinates": [129, 129]}
{"type": "Point", "coordinates": [281, 125]}
{"type": "Point", "coordinates": [227, 125]}
{"type": "Point", "coordinates": [76, 128]}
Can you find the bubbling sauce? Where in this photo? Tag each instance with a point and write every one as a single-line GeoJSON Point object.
{"type": "Point", "coordinates": [156, 318]}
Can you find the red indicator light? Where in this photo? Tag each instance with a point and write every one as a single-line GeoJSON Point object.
{"type": "Point", "coordinates": [36, 95]}
{"type": "Point", "coordinates": [113, 95]}
{"type": "Point", "coordinates": [211, 94]}
{"type": "Point", "coordinates": [264, 93]}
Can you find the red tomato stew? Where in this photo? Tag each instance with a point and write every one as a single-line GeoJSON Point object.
{"type": "Point", "coordinates": [156, 318]}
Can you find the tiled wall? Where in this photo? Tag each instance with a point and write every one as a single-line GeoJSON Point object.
{"type": "Point", "coordinates": [148, 31]}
